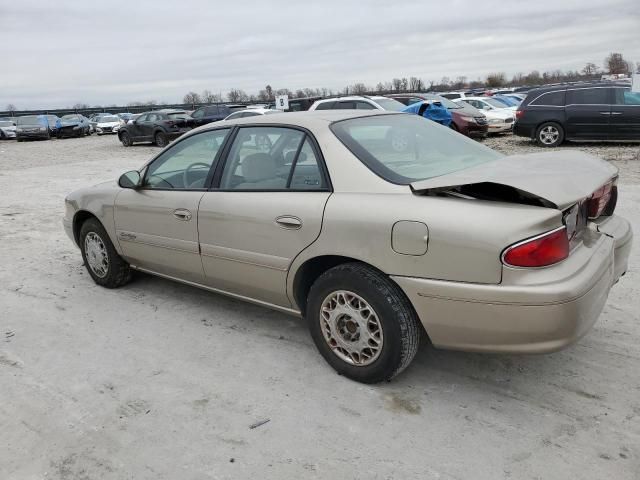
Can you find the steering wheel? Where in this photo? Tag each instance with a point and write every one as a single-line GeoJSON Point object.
{"type": "Point", "coordinates": [185, 174]}
{"type": "Point", "coordinates": [161, 179]}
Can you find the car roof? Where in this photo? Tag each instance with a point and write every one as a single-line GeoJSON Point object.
{"type": "Point", "coordinates": [577, 85]}
{"type": "Point", "coordinates": [348, 97]}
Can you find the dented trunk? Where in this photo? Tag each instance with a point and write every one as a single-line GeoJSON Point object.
{"type": "Point", "coordinates": [549, 179]}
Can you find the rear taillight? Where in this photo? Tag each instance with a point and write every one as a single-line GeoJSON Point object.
{"type": "Point", "coordinates": [519, 114]}
{"type": "Point", "coordinates": [540, 251]}
{"type": "Point", "coordinates": [602, 200]}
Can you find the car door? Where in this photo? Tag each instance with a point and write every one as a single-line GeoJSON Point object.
{"type": "Point", "coordinates": [148, 125]}
{"type": "Point", "coordinates": [134, 128]}
{"type": "Point", "coordinates": [587, 113]}
{"type": "Point", "coordinates": [157, 224]}
{"type": "Point", "coordinates": [198, 117]}
{"type": "Point", "coordinates": [625, 115]}
{"type": "Point", "coordinates": [267, 208]}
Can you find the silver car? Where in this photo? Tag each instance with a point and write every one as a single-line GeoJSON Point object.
{"type": "Point", "coordinates": [317, 214]}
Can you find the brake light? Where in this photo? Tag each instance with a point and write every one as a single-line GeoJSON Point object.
{"type": "Point", "coordinates": [540, 251]}
{"type": "Point", "coordinates": [599, 200]}
{"type": "Point", "coordinates": [519, 113]}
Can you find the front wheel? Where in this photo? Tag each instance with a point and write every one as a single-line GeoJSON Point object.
{"type": "Point", "coordinates": [103, 263]}
{"type": "Point", "coordinates": [362, 323]}
{"type": "Point", "coordinates": [160, 139]}
{"type": "Point", "coordinates": [549, 134]}
{"type": "Point", "coordinates": [125, 139]}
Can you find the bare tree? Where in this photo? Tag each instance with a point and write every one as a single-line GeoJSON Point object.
{"type": "Point", "coordinates": [237, 95]}
{"type": "Point", "coordinates": [358, 89]}
{"type": "Point", "coordinates": [404, 84]}
{"type": "Point", "coordinates": [191, 98]}
{"type": "Point", "coordinates": [496, 80]}
{"type": "Point", "coordinates": [269, 91]}
{"type": "Point", "coordinates": [397, 84]}
{"type": "Point", "coordinates": [590, 69]}
{"type": "Point", "coordinates": [209, 97]}
{"type": "Point", "coordinates": [615, 63]}
{"type": "Point", "coordinates": [80, 106]}
{"type": "Point", "coordinates": [415, 84]}
{"type": "Point", "coordinates": [11, 108]}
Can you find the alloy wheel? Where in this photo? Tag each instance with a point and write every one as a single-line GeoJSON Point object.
{"type": "Point", "coordinates": [549, 135]}
{"type": "Point", "coordinates": [351, 328]}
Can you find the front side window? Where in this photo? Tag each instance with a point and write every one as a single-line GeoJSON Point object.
{"type": "Point", "coordinates": [211, 111]}
{"type": "Point", "coordinates": [272, 158]}
{"type": "Point", "coordinates": [198, 113]}
{"type": "Point", "coordinates": [405, 148]}
{"type": "Point", "coordinates": [588, 96]}
{"type": "Point", "coordinates": [365, 106]}
{"type": "Point", "coordinates": [325, 106]}
{"type": "Point", "coordinates": [187, 163]}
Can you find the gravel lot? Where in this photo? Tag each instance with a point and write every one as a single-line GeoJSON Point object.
{"type": "Point", "coordinates": [163, 381]}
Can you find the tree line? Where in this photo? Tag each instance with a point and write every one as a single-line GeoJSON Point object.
{"type": "Point", "coordinates": [614, 63]}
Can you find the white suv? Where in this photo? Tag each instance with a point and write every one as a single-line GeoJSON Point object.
{"type": "Point", "coordinates": [358, 103]}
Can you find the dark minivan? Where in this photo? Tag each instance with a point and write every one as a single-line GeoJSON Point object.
{"type": "Point", "coordinates": [596, 112]}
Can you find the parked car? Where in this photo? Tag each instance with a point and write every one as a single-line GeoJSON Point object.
{"type": "Point", "coordinates": [7, 130]}
{"type": "Point", "coordinates": [488, 253]}
{"type": "Point", "coordinates": [499, 119]}
{"type": "Point", "coordinates": [73, 125]}
{"type": "Point", "coordinates": [600, 111]}
{"type": "Point", "coordinates": [53, 122]}
{"type": "Point", "coordinates": [213, 113]}
{"type": "Point", "coordinates": [125, 116]}
{"type": "Point", "coordinates": [93, 120]}
{"type": "Point", "coordinates": [158, 127]}
{"type": "Point", "coordinates": [108, 124]}
{"type": "Point", "coordinates": [456, 95]}
{"type": "Point", "coordinates": [466, 119]}
{"type": "Point", "coordinates": [358, 102]}
{"type": "Point", "coordinates": [133, 117]}
{"type": "Point", "coordinates": [251, 112]}
{"type": "Point", "coordinates": [507, 100]}
{"type": "Point", "coordinates": [32, 127]}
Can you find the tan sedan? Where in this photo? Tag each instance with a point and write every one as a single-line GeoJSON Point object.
{"type": "Point", "coordinates": [374, 227]}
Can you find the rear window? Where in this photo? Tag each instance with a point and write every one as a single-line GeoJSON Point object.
{"type": "Point", "coordinates": [627, 97]}
{"type": "Point", "coordinates": [404, 148]}
{"type": "Point", "coordinates": [588, 96]}
{"type": "Point", "coordinates": [555, 99]}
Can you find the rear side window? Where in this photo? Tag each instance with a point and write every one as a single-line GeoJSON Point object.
{"type": "Point", "coordinates": [325, 106]}
{"type": "Point", "coordinates": [588, 96]}
{"type": "Point", "coordinates": [345, 105]}
{"type": "Point", "coordinates": [555, 99]}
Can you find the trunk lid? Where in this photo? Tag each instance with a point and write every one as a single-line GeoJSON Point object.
{"type": "Point", "coordinates": [558, 178]}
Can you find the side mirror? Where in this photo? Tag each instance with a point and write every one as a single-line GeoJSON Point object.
{"type": "Point", "coordinates": [130, 179]}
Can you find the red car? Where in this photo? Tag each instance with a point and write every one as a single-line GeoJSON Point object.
{"type": "Point", "coordinates": [466, 119]}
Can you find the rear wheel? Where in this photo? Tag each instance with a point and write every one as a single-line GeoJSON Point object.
{"type": "Point", "coordinates": [103, 263]}
{"type": "Point", "coordinates": [549, 134]}
{"type": "Point", "coordinates": [160, 139]}
{"type": "Point", "coordinates": [362, 323]}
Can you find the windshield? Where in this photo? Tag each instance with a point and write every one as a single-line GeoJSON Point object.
{"type": "Point", "coordinates": [495, 103]}
{"type": "Point", "coordinates": [29, 120]}
{"type": "Point", "coordinates": [6, 124]}
{"type": "Point", "coordinates": [390, 104]}
{"type": "Point", "coordinates": [109, 119]}
{"type": "Point", "coordinates": [406, 148]}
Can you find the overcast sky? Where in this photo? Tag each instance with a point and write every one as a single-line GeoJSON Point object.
{"type": "Point", "coordinates": [58, 53]}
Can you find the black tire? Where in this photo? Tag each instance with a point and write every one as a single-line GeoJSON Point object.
{"type": "Point", "coordinates": [118, 272]}
{"type": "Point", "coordinates": [454, 127]}
{"type": "Point", "coordinates": [160, 139]}
{"type": "Point", "coordinates": [1, 135]}
{"type": "Point", "coordinates": [549, 134]}
{"type": "Point", "coordinates": [399, 323]}
{"type": "Point", "coordinates": [125, 139]}
{"type": "Point", "coordinates": [18, 139]}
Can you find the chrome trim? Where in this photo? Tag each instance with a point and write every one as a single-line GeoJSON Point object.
{"type": "Point", "coordinates": [290, 311]}
{"type": "Point", "coordinates": [527, 240]}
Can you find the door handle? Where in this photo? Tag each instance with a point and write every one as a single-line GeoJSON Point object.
{"type": "Point", "coordinates": [605, 113]}
{"type": "Point", "coordinates": [289, 221]}
{"type": "Point", "coordinates": [616, 113]}
{"type": "Point", "coordinates": [182, 214]}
